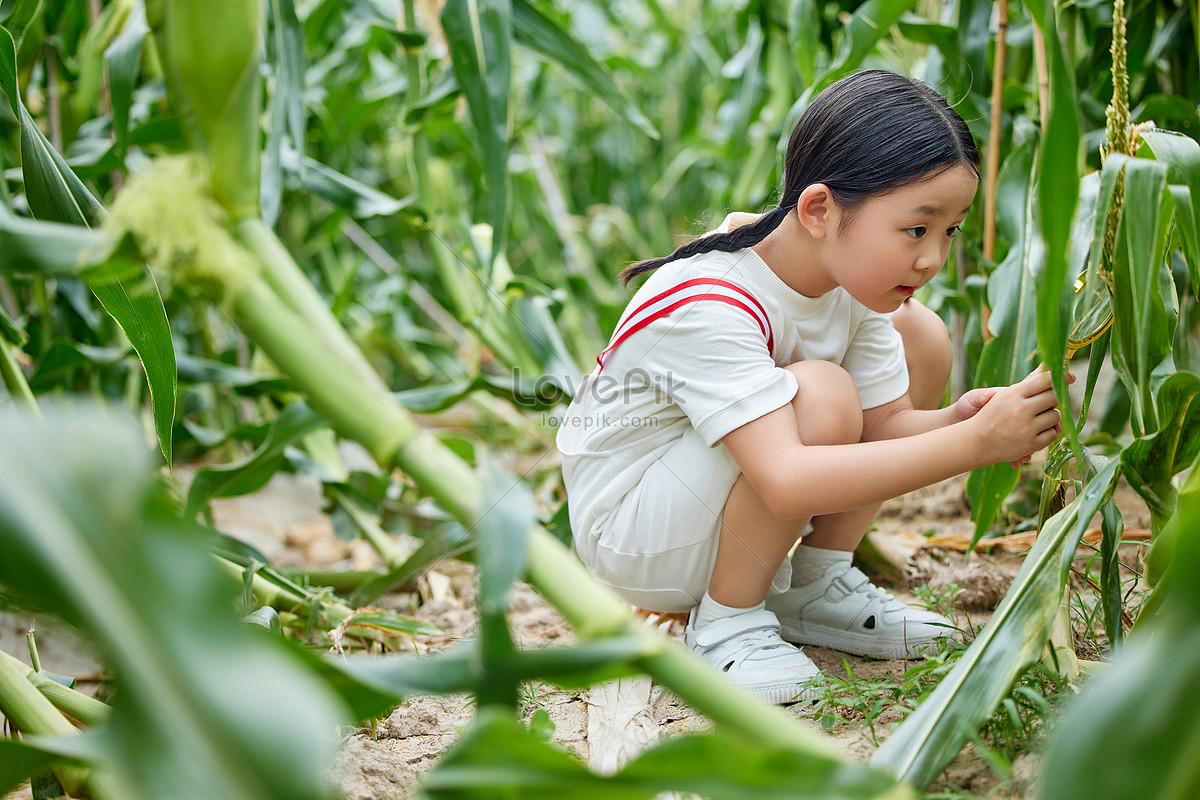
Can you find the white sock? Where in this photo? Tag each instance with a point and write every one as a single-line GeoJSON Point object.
{"type": "Point", "coordinates": [810, 563]}
{"type": "Point", "coordinates": [710, 610]}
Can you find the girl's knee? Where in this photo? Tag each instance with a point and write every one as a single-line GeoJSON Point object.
{"type": "Point", "coordinates": [927, 351]}
{"type": "Point", "coordinates": [828, 410]}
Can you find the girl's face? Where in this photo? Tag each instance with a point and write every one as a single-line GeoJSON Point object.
{"type": "Point", "coordinates": [894, 243]}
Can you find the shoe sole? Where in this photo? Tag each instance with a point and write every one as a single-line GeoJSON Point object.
{"type": "Point", "coordinates": [858, 644]}
{"type": "Point", "coordinates": [782, 695]}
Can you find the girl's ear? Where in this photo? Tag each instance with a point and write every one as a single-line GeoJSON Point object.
{"type": "Point", "coordinates": [816, 210]}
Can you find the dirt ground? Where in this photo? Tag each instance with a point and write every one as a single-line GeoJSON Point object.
{"type": "Point", "coordinates": [389, 761]}
{"type": "Point", "coordinates": [285, 521]}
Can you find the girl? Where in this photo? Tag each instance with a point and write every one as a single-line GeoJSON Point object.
{"type": "Point", "coordinates": [766, 383]}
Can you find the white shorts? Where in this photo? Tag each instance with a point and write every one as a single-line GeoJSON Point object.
{"type": "Point", "coordinates": [658, 546]}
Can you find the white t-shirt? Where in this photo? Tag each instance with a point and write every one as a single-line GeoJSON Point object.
{"type": "Point", "coordinates": [702, 345]}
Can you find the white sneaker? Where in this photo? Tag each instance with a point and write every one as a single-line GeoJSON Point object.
{"type": "Point", "coordinates": [747, 647]}
{"type": "Point", "coordinates": [843, 610]}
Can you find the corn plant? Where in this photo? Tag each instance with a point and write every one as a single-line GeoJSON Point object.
{"type": "Point", "coordinates": [301, 244]}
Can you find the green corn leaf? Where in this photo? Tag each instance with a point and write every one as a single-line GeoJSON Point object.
{"type": "Point", "coordinates": [52, 189]}
{"type": "Point", "coordinates": [918, 29]}
{"type": "Point", "coordinates": [446, 542]}
{"type": "Point", "coordinates": [50, 249]}
{"type": "Point", "coordinates": [441, 96]}
{"type": "Point", "coordinates": [133, 300]}
{"type": "Point", "coordinates": [479, 33]}
{"type": "Point", "coordinates": [502, 533]}
{"type": "Point", "coordinates": [1087, 241]}
{"type": "Point", "coordinates": [56, 194]}
{"type": "Point", "coordinates": [1144, 303]}
{"type": "Point", "coordinates": [583, 665]}
{"type": "Point", "coordinates": [1011, 289]}
{"type": "Point", "coordinates": [1154, 720]}
{"type": "Point", "coordinates": [287, 111]}
{"type": "Point", "coordinates": [1145, 185]}
{"type": "Point", "coordinates": [10, 330]}
{"type": "Point", "coordinates": [371, 686]}
{"type": "Point", "coordinates": [804, 35]}
{"type": "Point", "coordinates": [1112, 528]}
{"type": "Point", "coordinates": [203, 371]}
{"type": "Point", "coordinates": [20, 762]}
{"type": "Point", "coordinates": [543, 394]}
{"type": "Point", "coordinates": [932, 736]}
{"type": "Point", "coordinates": [18, 15]}
{"type": "Point", "coordinates": [1161, 558]}
{"type": "Point", "coordinates": [1182, 155]}
{"type": "Point", "coordinates": [547, 345]}
{"type": "Point", "coordinates": [975, 41]}
{"type": "Point", "coordinates": [1093, 307]}
{"type": "Point", "coordinates": [122, 60]}
{"type": "Point", "coordinates": [1059, 171]}
{"type": "Point", "coordinates": [534, 30]}
{"type": "Point", "coordinates": [266, 618]}
{"type": "Point", "coordinates": [866, 26]}
{"type": "Point", "coordinates": [252, 472]}
{"type": "Point", "coordinates": [359, 199]}
{"type": "Point", "coordinates": [194, 369]}
{"type": "Point", "coordinates": [501, 540]}
{"type": "Point", "coordinates": [207, 709]}
{"type": "Point", "coordinates": [499, 757]}
{"type": "Point", "coordinates": [386, 623]}
{"type": "Point", "coordinates": [1150, 462]}
{"type": "Point", "coordinates": [65, 354]}
{"type": "Point", "coordinates": [870, 22]}
{"type": "Point", "coordinates": [747, 67]}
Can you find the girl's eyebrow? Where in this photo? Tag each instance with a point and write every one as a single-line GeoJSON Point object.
{"type": "Point", "coordinates": [924, 211]}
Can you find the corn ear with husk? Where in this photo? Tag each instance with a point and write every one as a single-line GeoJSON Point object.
{"type": "Point", "coordinates": [210, 54]}
{"type": "Point", "coordinates": [213, 238]}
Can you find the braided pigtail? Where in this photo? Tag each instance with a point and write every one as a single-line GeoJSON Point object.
{"type": "Point", "coordinates": [736, 239]}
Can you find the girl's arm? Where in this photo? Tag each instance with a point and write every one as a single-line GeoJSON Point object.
{"type": "Point", "coordinates": [796, 480]}
{"type": "Point", "coordinates": [898, 418]}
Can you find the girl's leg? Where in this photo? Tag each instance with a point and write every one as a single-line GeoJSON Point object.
{"type": "Point", "coordinates": [832, 604]}
{"type": "Point", "coordinates": [731, 629]}
{"type": "Point", "coordinates": [929, 355]}
{"type": "Point", "coordinates": [928, 352]}
{"type": "Point", "coordinates": [753, 541]}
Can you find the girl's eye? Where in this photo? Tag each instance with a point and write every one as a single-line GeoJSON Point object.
{"type": "Point", "coordinates": [916, 232]}
{"type": "Point", "coordinates": [952, 231]}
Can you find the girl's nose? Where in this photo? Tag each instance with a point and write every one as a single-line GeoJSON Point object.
{"type": "Point", "coordinates": [930, 258]}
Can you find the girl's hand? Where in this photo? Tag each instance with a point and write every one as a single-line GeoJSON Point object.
{"type": "Point", "coordinates": [1016, 421]}
{"type": "Point", "coordinates": [969, 404]}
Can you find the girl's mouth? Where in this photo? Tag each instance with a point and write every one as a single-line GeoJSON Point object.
{"type": "Point", "coordinates": [907, 291]}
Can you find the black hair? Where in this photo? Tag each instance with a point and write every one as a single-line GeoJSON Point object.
{"type": "Point", "coordinates": [867, 134]}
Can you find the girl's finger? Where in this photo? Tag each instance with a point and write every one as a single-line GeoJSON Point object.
{"type": "Point", "coordinates": [1050, 418]}
{"type": "Point", "coordinates": [1037, 382]}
